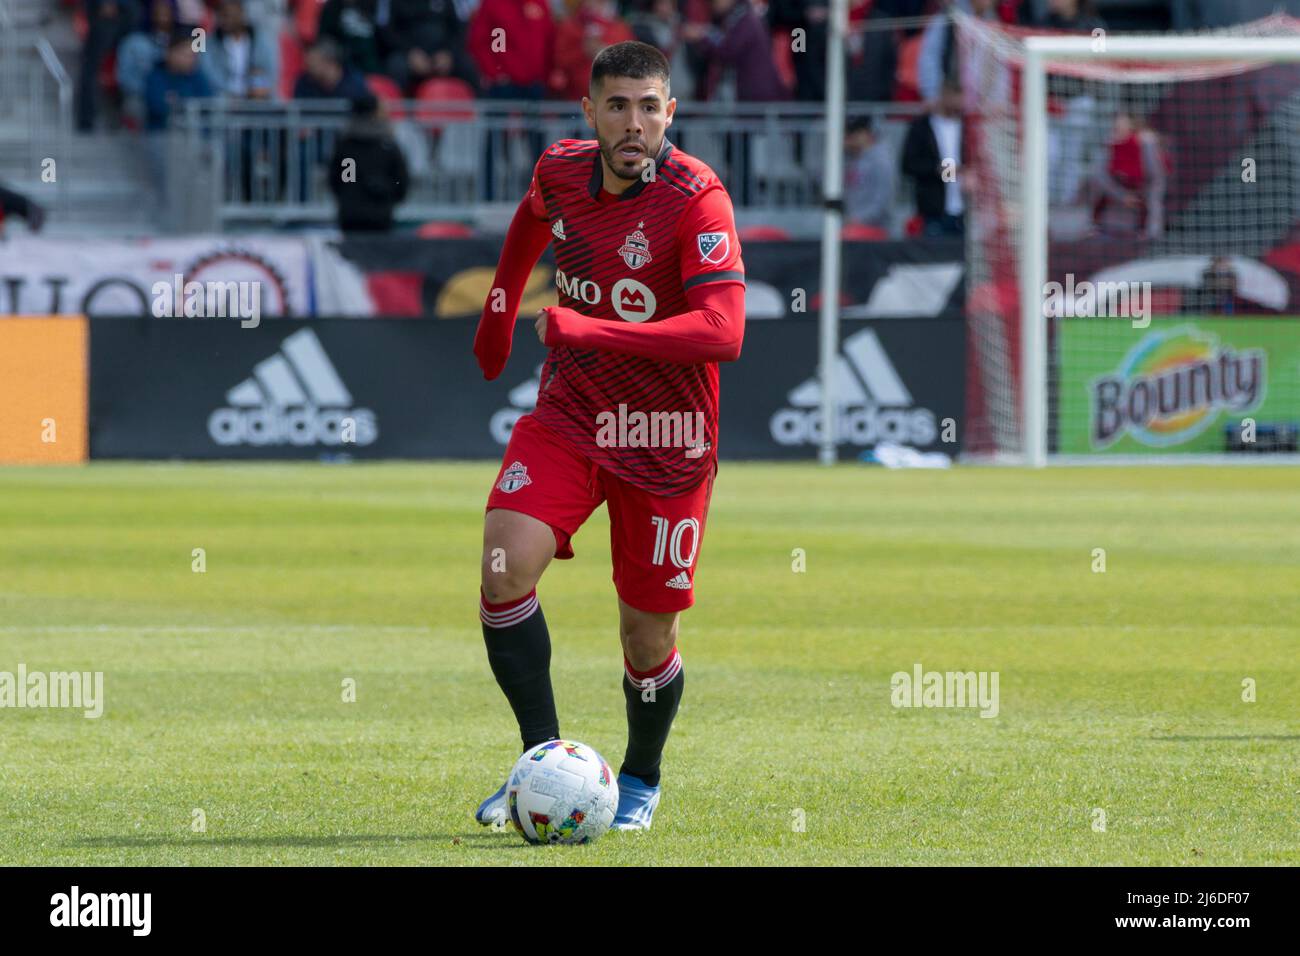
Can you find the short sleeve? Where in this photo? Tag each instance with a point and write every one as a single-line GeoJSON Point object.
{"type": "Point", "coordinates": [709, 247]}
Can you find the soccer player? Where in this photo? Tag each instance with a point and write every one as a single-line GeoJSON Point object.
{"type": "Point", "coordinates": [651, 298]}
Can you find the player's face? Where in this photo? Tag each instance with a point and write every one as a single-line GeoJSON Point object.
{"type": "Point", "coordinates": [630, 118]}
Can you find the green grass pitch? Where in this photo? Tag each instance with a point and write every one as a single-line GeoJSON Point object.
{"type": "Point", "coordinates": [1120, 692]}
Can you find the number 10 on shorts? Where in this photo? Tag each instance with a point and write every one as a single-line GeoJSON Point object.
{"type": "Point", "coordinates": [672, 543]}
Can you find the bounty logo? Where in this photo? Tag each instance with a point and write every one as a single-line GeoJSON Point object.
{"type": "Point", "coordinates": [1171, 387]}
{"type": "Point", "coordinates": [873, 404]}
{"type": "Point", "coordinates": [295, 397]}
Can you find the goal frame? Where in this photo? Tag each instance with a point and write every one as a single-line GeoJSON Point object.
{"type": "Point", "coordinates": [1032, 255]}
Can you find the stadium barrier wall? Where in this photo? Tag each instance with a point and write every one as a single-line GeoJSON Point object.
{"type": "Point", "coordinates": [304, 277]}
{"type": "Point", "coordinates": [43, 389]}
{"type": "Point", "coordinates": [410, 388]}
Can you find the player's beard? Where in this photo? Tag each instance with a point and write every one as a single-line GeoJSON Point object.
{"type": "Point", "coordinates": [624, 168]}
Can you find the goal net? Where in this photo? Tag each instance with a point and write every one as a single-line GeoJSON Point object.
{"type": "Point", "coordinates": [1133, 243]}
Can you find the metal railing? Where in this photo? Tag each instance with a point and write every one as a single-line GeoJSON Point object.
{"type": "Point", "coordinates": [268, 162]}
{"type": "Point", "coordinates": [50, 133]}
{"type": "Point", "coordinates": [10, 71]}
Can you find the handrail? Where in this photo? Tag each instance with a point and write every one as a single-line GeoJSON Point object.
{"type": "Point", "coordinates": [63, 130]}
{"type": "Point", "coordinates": [53, 64]}
{"type": "Point", "coordinates": [9, 71]}
{"type": "Point", "coordinates": [266, 159]}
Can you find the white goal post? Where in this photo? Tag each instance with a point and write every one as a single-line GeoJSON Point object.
{"type": "Point", "coordinates": [1039, 52]}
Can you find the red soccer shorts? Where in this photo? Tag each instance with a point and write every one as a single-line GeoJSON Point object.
{"type": "Point", "coordinates": [654, 541]}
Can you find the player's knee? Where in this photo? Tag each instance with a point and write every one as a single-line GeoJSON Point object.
{"type": "Point", "coordinates": [502, 584]}
{"type": "Point", "coordinates": [648, 639]}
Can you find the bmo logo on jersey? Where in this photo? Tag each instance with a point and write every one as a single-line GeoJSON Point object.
{"type": "Point", "coordinates": [584, 290]}
{"type": "Point", "coordinates": [633, 301]}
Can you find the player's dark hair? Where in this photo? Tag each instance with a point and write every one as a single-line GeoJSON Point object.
{"type": "Point", "coordinates": [631, 58]}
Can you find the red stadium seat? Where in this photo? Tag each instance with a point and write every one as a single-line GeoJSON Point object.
{"type": "Point", "coordinates": [291, 57]}
{"type": "Point", "coordinates": [444, 230]}
{"type": "Point", "coordinates": [783, 57]}
{"type": "Point", "coordinates": [915, 226]}
{"type": "Point", "coordinates": [762, 234]}
{"type": "Point", "coordinates": [907, 86]}
{"type": "Point", "coordinates": [857, 232]}
{"type": "Point", "coordinates": [387, 91]}
{"type": "Point", "coordinates": [306, 18]}
{"type": "Point", "coordinates": [443, 90]}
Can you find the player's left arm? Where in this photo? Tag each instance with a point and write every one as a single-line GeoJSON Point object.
{"type": "Point", "coordinates": [713, 277]}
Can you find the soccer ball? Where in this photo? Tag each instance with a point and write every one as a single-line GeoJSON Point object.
{"type": "Point", "coordinates": [561, 792]}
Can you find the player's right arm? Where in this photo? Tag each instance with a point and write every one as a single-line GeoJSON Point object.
{"type": "Point", "coordinates": [526, 240]}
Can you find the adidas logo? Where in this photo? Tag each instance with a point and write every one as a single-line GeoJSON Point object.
{"type": "Point", "coordinates": [557, 229]}
{"type": "Point", "coordinates": [523, 399]}
{"type": "Point", "coordinates": [873, 403]}
{"type": "Point", "coordinates": [295, 397]}
{"type": "Point", "coordinates": [681, 582]}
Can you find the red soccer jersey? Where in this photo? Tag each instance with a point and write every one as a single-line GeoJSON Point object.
{"type": "Point", "coordinates": [632, 259]}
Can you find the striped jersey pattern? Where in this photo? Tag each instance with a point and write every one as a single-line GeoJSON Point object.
{"type": "Point", "coordinates": [619, 260]}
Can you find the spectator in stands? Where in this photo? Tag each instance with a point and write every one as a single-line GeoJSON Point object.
{"type": "Point", "coordinates": [594, 25]}
{"type": "Point", "coordinates": [176, 79]}
{"type": "Point", "coordinates": [107, 22]}
{"type": "Point", "coordinates": [1188, 15]}
{"type": "Point", "coordinates": [658, 23]}
{"type": "Point", "coordinates": [738, 48]}
{"type": "Point", "coordinates": [16, 204]}
{"type": "Point", "coordinates": [868, 176]}
{"type": "Point", "coordinates": [1127, 186]}
{"type": "Point", "coordinates": [873, 53]}
{"type": "Point", "coordinates": [423, 39]}
{"type": "Point", "coordinates": [192, 11]}
{"type": "Point", "coordinates": [519, 71]}
{"type": "Point", "coordinates": [932, 159]}
{"type": "Point", "coordinates": [242, 61]}
{"type": "Point", "coordinates": [326, 77]}
{"type": "Point", "coordinates": [351, 24]}
{"type": "Point", "coordinates": [1217, 293]}
{"type": "Point", "coordinates": [1075, 16]}
{"type": "Point", "coordinates": [367, 174]}
{"type": "Point", "coordinates": [141, 51]}
{"type": "Point", "coordinates": [811, 17]}
{"type": "Point", "coordinates": [938, 59]}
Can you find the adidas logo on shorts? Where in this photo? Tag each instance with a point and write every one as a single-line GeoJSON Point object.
{"type": "Point", "coordinates": [682, 582]}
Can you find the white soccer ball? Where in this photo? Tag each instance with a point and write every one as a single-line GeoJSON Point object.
{"type": "Point", "coordinates": [561, 792]}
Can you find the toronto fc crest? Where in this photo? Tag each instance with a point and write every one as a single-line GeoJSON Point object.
{"type": "Point", "coordinates": [636, 248]}
{"type": "Point", "coordinates": [514, 478]}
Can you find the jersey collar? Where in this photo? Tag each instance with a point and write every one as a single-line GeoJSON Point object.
{"type": "Point", "coordinates": [598, 174]}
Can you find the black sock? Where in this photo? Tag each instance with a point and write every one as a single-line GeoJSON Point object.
{"type": "Point", "coordinates": [519, 651]}
{"type": "Point", "coordinates": [652, 701]}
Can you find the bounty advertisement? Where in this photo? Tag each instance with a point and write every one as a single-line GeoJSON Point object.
{"type": "Point", "coordinates": [1184, 384]}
